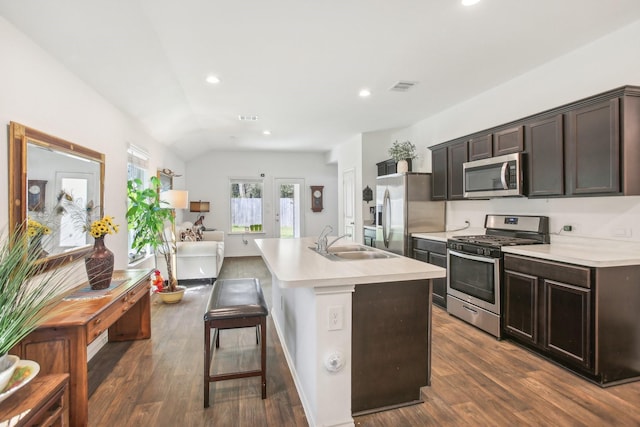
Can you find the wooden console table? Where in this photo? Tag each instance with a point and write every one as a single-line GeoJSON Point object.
{"type": "Point", "coordinates": [41, 402]}
{"type": "Point", "coordinates": [60, 345]}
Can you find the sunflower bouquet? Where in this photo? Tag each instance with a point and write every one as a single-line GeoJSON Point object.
{"type": "Point", "coordinates": [102, 227]}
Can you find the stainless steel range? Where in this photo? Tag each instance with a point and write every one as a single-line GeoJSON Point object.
{"type": "Point", "coordinates": [474, 267]}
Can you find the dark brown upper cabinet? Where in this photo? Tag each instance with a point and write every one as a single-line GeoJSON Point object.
{"type": "Point", "coordinates": [545, 156]}
{"type": "Point", "coordinates": [456, 156]}
{"type": "Point", "coordinates": [439, 174]}
{"type": "Point", "coordinates": [508, 141]}
{"type": "Point", "coordinates": [590, 147]}
{"type": "Point", "coordinates": [593, 149]}
{"type": "Point", "coordinates": [481, 147]}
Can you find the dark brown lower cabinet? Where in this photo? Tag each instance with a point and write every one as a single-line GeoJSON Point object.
{"type": "Point", "coordinates": [434, 252]}
{"type": "Point", "coordinates": [568, 322]}
{"type": "Point", "coordinates": [583, 318]}
{"type": "Point", "coordinates": [391, 344]}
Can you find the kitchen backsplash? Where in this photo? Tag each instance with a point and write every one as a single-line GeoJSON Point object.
{"type": "Point", "coordinates": [614, 218]}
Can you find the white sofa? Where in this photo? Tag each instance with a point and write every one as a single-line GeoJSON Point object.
{"type": "Point", "coordinates": [200, 259]}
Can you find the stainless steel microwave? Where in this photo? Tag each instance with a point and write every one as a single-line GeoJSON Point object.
{"type": "Point", "coordinates": [499, 176]}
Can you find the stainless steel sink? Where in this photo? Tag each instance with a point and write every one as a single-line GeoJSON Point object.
{"type": "Point", "coordinates": [353, 253]}
{"type": "Point", "coordinates": [361, 255]}
{"type": "Point", "coordinates": [345, 248]}
{"type": "Point", "coordinates": [350, 248]}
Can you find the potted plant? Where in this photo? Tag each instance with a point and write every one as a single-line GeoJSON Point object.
{"type": "Point", "coordinates": [401, 152]}
{"type": "Point", "coordinates": [27, 294]}
{"type": "Point", "coordinates": [148, 218]}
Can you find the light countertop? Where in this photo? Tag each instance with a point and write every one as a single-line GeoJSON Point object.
{"type": "Point", "coordinates": [444, 235]}
{"type": "Point", "coordinates": [588, 252]}
{"type": "Point", "coordinates": [296, 265]}
{"type": "Point", "coordinates": [584, 251]}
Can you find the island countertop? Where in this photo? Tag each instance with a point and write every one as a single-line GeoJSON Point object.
{"type": "Point", "coordinates": [296, 265]}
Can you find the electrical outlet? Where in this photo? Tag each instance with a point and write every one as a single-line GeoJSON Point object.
{"type": "Point", "coordinates": [335, 318]}
{"type": "Point", "coordinates": [567, 228]}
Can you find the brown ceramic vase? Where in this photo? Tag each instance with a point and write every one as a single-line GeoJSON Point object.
{"type": "Point", "coordinates": [99, 265]}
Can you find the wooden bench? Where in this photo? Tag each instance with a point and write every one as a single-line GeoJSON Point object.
{"type": "Point", "coordinates": [235, 303]}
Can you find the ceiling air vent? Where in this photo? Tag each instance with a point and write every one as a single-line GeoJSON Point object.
{"type": "Point", "coordinates": [247, 118]}
{"type": "Point", "coordinates": [403, 86]}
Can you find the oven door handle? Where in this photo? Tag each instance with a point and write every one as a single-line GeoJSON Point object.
{"type": "Point", "coordinates": [466, 307]}
{"type": "Point", "coordinates": [486, 259]}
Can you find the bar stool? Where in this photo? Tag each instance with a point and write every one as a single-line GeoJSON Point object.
{"type": "Point", "coordinates": [235, 303]}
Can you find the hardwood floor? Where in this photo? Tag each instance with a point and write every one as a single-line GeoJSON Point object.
{"type": "Point", "coordinates": [476, 380]}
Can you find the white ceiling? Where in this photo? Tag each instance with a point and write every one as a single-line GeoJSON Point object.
{"type": "Point", "coordinates": [299, 64]}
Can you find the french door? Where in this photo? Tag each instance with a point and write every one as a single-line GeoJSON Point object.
{"type": "Point", "coordinates": [289, 199]}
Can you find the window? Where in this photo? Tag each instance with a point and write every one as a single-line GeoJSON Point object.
{"type": "Point", "coordinates": [246, 205]}
{"type": "Point", "coordinates": [137, 164]}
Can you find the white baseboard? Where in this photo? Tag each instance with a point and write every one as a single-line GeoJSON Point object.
{"type": "Point", "coordinates": [97, 344]}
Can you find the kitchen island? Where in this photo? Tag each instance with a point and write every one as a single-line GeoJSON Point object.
{"type": "Point", "coordinates": [356, 333]}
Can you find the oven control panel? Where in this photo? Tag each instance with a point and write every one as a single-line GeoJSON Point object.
{"type": "Point", "coordinates": [474, 249]}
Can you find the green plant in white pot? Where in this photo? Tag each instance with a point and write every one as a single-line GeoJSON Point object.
{"type": "Point", "coordinates": [401, 152]}
{"type": "Point", "coordinates": [27, 294]}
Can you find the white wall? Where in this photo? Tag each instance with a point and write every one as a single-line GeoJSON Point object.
{"type": "Point", "coordinates": [208, 179]}
{"type": "Point", "coordinates": [607, 63]}
{"type": "Point", "coordinates": [349, 155]}
{"type": "Point", "coordinates": [40, 93]}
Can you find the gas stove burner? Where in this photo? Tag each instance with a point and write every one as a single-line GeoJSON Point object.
{"type": "Point", "coordinates": [503, 230]}
{"type": "Point", "coordinates": [492, 240]}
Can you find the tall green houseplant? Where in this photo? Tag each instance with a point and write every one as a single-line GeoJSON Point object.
{"type": "Point", "coordinates": [148, 218]}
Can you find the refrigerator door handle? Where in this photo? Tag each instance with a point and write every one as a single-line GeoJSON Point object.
{"type": "Point", "coordinates": [386, 218]}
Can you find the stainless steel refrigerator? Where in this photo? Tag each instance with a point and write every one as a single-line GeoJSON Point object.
{"type": "Point", "coordinates": [405, 206]}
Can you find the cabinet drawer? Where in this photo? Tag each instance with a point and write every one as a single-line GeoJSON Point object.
{"type": "Point", "coordinates": [571, 274]}
{"type": "Point", "coordinates": [111, 314]}
{"type": "Point", "coordinates": [430, 245]}
{"type": "Point", "coordinates": [421, 255]}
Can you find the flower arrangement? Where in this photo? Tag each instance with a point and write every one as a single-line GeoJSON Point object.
{"type": "Point", "coordinates": [402, 151]}
{"type": "Point", "coordinates": [35, 229]}
{"type": "Point", "coordinates": [101, 227]}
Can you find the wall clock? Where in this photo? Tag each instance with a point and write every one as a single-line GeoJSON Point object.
{"type": "Point", "coordinates": [316, 198]}
{"type": "Point", "coordinates": [36, 194]}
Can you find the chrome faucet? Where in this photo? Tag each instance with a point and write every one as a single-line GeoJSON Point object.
{"type": "Point", "coordinates": [321, 244]}
{"type": "Point", "coordinates": [335, 240]}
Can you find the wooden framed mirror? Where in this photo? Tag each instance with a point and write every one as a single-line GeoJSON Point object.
{"type": "Point", "coordinates": [52, 181]}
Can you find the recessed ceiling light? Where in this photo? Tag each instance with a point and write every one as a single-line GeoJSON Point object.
{"type": "Point", "coordinates": [266, 132]}
{"type": "Point", "coordinates": [469, 2]}
{"type": "Point", "coordinates": [364, 93]}
{"type": "Point", "coordinates": [213, 80]}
